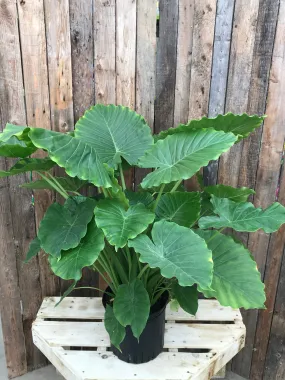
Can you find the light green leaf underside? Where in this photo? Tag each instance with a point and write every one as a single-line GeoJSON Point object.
{"type": "Point", "coordinates": [181, 155]}
{"type": "Point", "coordinates": [63, 227]}
{"type": "Point", "coordinates": [239, 125]}
{"type": "Point", "coordinates": [116, 331]}
{"type": "Point", "coordinates": [181, 208]}
{"type": "Point", "coordinates": [244, 216]}
{"type": "Point", "coordinates": [240, 194]}
{"type": "Point", "coordinates": [34, 249]}
{"type": "Point", "coordinates": [114, 132]}
{"type": "Point", "coordinates": [177, 252]}
{"type": "Point", "coordinates": [15, 148]}
{"type": "Point", "coordinates": [68, 183]}
{"type": "Point", "coordinates": [187, 297]}
{"type": "Point", "coordinates": [120, 225]}
{"type": "Point", "coordinates": [78, 158]}
{"type": "Point", "coordinates": [132, 306]}
{"type": "Point", "coordinates": [29, 164]}
{"type": "Point", "coordinates": [71, 263]}
{"type": "Point", "coordinates": [236, 280]}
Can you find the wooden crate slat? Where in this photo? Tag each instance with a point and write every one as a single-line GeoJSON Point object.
{"type": "Point", "coordinates": [92, 308]}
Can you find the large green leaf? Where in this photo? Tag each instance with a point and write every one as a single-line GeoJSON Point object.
{"type": "Point", "coordinates": [78, 158]}
{"type": "Point", "coordinates": [29, 164]}
{"type": "Point", "coordinates": [132, 306]}
{"type": "Point", "coordinates": [181, 155]}
{"type": "Point", "coordinates": [34, 249]}
{"type": "Point", "coordinates": [239, 125]}
{"type": "Point", "coordinates": [235, 194]}
{"type": "Point", "coordinates": [187, 297]}
{"type": "Point", "coordinates": [236, 280]}
{"type": "Point", "coordinates": [64, 226]}
{"type": "Point", "coordinates": [120, 225]}
{"type": "Point", "coordinates": [139, 197]}
{"type": "Point", "coordinates": [244, 216]}
{"type": "Point", "coordinates": [177, 252]}
{"type": "Point", "coordinates": [116, 331]}
{"type": "Point", "coordinates": [181, 208]}
{"type": "Point", "coordinates": [71, 263]}
{"type": "Point", "coordinates": [68, 183]}
{"type": "Point", "coordinates": [114, 132]}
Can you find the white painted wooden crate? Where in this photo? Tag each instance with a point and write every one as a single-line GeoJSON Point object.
{"type": "Point", "coordinates": [72, 336]}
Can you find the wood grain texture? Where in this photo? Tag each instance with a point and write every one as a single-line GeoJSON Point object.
{"type": "Point", "coordinates": [203, 39]}
{"type": "Point", "coordinates": [145, 67]}
{"type": "Point", "coordinates": [184, 59]}
{"type": "Point", "coordinates": [267, 183]}
{"type": "Point", "coordinates": [243, 36]}
{"type": "Point", "coordinates": [166, 65]}
{"type": "Point", "coordinates": [15, 234]}
{"type": "Point", "coordinates": [105, 51]}
{"type": "Point", "coordinates": [258, 242]}
{"type": "Point", "coordinates": [221, 54]}
{"type": "Point", "coordinates": [82, 55]}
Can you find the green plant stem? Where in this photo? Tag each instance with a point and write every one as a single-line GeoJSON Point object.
{"type": "Point", "coordinates": [158, 196]}
{"type": "Point", "coordinates": [108, 269]}
{"type": "Point", "coordinates": [122, 177]}
{"type": "Point", "coordinates": [105, 192]}
{"type": "Point", "coordinates": [176, 185]}
{"type": "Point", "coordinates": [57, 183]}
{"type": "Point", "coordinates": [102, 274]}
{"type": "Point", "coordinates": [92, 287]}
{"type": "Point", "coordinates": [143, 271]}
{"type": "Point", "coordinates": [129, 260]}
{"type": "Point", "coordinates": [53, 185]}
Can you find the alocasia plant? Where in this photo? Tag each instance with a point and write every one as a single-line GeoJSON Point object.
{"type": "Point", "coordinates": [155, 239]}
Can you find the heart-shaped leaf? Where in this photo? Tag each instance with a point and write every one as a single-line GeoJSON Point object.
{"type": "Point", "coordinates": [78, 158]}
{"type": "Point", "coordinates": [244, 216]}
{"type": "Point", "coordinates": [132, 306]}
{"type": "Point", "coordinates": [27, 165]}
{"type": "Point", "coordinates": [64, 226]}
{"type": "Point", "coordinates": [181, 155]}
{"type": "Point", "coordinates": [236, 280]}
{"type": "Point", "coordinates": [114, 132]}
{"type": "Point", "coordinates": [234, 194]}
{"type": "Point", "coordinates": [71, 262]}
{"type": "Point", "coordinates": [68, 183]}
{"type": "Point", "coordinates": [181, 208]}
{"type": "Point", "coordinates": [120, 225]}
{"type": "Point", "coordinates": [239, 125]}
{"type": "Point", "coordinates": [177, 252]}
{"type": "Point", "coordinates": [187, 297]}
{"type": "Point", "coordinates": [116, 331]}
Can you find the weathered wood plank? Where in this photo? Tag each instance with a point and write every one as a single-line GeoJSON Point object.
{"type": "Point", "coordinates": [82, 55]}
{"type": "Point", "coordinates": [203, 39]}
{"type": "Point", "coordinates": [15, 235]}
{"type": "Point", "coordinates": [244, 25]}
{"type": "Point", "coordinates": [258, 242]}
{"type": "Point", "coordinates": [166, 65]}
{"type": "Point", "coordinates": [221, 53]}
{"type": "Point", "coordinates": [184, 59]}
{"type": "Point", "coordinates": [105, 51]}
{"type": "Point", "coordinates": [145, 66]}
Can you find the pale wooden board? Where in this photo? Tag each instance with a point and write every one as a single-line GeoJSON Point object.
{"type": "Point", "coordinates": [177, 335]}
{"type": "Point", "coordinates": [92, 308]}
{"type": "Point", "coordinates": [222, 340]}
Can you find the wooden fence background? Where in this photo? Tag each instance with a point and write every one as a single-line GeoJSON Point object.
{"type": "Point", "coordinates": [58, 57]}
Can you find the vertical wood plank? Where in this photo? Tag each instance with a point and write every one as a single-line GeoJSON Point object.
{"type": "Point", "coordinates": [203, 39]}
{"type": "Point", "coordinates": [13, 241]}
{"type": "Point", "coordinates": [221, 53]}
{"type": "Point", "coordinates": [244, 25]}
{"type": "Point", "coordinates": [82, 55]}
{"type": "Point", "coordinates": [145, 66]}
{"type": "Point", "coordinates": [267, 183]}
{"type": "Point", "coordinates": [184, 59]}
{"type": "Point", "coordinates": [258, 242]}
{"type": "Point", "coordinates": [166, 65]}
{"type": "Point", "coordinates": [105, 51]}
{"type": "Point", "coordinates": [59, 64]}
{"type": "Point", "coordinates": [33, 44]}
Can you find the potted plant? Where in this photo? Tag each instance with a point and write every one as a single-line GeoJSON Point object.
{"type": "Point", "coordinates": [157, 244]}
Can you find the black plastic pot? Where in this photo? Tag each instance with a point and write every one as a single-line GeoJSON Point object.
{"type": "Point", "coordinates": [151, 341]}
